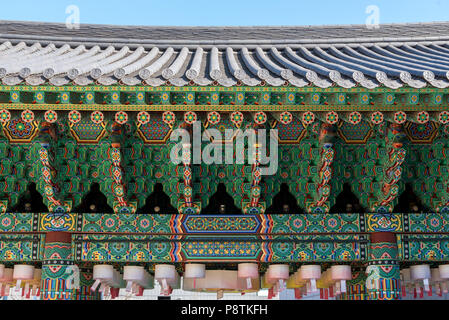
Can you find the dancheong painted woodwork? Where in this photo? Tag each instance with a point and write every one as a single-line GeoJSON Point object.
{"type": "Point", "coordinates": [357, 209]}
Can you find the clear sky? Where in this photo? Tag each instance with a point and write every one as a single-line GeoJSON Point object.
{"type": "Point", "coordinates": [226, 12]}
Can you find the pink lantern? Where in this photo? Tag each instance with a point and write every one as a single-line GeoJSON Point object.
{"type": "Point", "coordinates": [248, 271]}
{"type": "Point", "coordinates": [341, 274]}
{"type": "Point", "coordinates": [5, 281]}
{"type": "Point", "coordinates": [278, 273]}
{"type": "Point", "coordinates": [311, 273]}
{"type": "Point", "coordinates": [21, 273]}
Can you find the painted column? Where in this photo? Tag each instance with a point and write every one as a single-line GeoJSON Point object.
{"type": "Point", "coordinates": [356, 288]}
{"type": "Point", "coordinates": [58, 270]}
{"type": "Point", "coordinates": [86, 282]}
{"type": "Point", "coordinates": [383, 273]}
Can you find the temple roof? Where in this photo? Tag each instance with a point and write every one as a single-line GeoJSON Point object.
{"type": "Point", "coordinates": [393, 55]}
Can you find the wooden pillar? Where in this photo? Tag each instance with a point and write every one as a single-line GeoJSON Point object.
{"type": "Point", "coordinates": [383, 273]}
{"type": "Point", "coordinates": [57, 267]}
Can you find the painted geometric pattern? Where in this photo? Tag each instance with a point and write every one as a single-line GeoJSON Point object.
{"type": "Point", "coordinates": [20, 248]}
{"type": "Point", "coordinates": [127, 248]}
{"type": "Point", "coordinates": [330, 248]}
{"type": "Point", "coordinates": [195, 224]}
{"type": "Point", "coordinates": [19, 131]}
{"type": "Point", "coordinates": [291, 132]}
{"type": "Point", "coordinates": [384, 222]}
{"type": "Point", "coordinates": [310, 223]}
{"type": "Point", "coordinates": [219, 250]}
{"type": "Point", "coordinates": [315, 248]}
{"type": "Point", "coordinates": [86, 131]}
{"type": "Point", "coordinates": [16, 222]}
{"type": "Point", "coordinates": [130, 223]}
{"type": "Point", "coordinates": [428, 222]}
{"type": "Point", "coordinates": [154, 131]}
{"type": "Point", "coordinates": [354, 133]}
{"type": "Point", "coordinates": [423, 247]}
{"type": "Point", "coordinates": [57, 222]}
{"type": "Point", "coordinates": [421, 133]}
{"type": "Point", "coordinates": [300, 223]}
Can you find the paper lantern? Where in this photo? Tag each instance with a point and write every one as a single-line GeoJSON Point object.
{"type": "Point", "coordinates": [444, 274]}
{"type": "Point", "coordinates": [107, 277]}
{"type": "Point", "coordinates": [165, 273]}
{"type": "Point", "coordinates": [220, 281]}
{"type": "Point", "coordinates": [137, 279]}
{"type": "Point", "coordinates": [278, 273]}
{"type": "Point", "coordinates": [6, 281]}
{"type": "Point", "coordinates": [444, 271]}
{"type": "Point", "coordinates": [22, 272]}
{"type": "Point", "coordinates": [436, 280]}
{"type": "Point", "coordinates": [248, 271]}
{"type": "Point", "coordinates": [195, 271]}
{"type": "Point", "coordinates": [311, 273]}
{"type": "Point", "coordinates": [341, 274]}
{"type": "Point", "coordinates": [421, 273]}
{"type": "Point", "coordinates": [406, 281]}
{"type": "Point", "coordinates": [176, 282]}
{"type": "Point", "coordinates": [102, 274]}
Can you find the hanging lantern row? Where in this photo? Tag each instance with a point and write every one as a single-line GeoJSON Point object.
{"type": "Point", "coordinates": [236, 117]}
{"type": "Point", "coordinates": [309, 279]}
{"type": "Point", "coordinates": [24, 279]}
{"type": "Point", "coordinates": [420, 279]}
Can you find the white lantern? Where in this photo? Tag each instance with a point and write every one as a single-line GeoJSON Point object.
{"type": "Point", "coordinates": [444, 271]}
{"type": "Point", "coordinates": [341, 274]}
{"type": "Point", "coordinates": [421, 273]}
{"type": "Point", "coordinates": [22, 272]}
{"type": "Point", "coordinates": [195, 271]}
{"type": "Point", "coordinates": [134, 276]}
{"type": "Point", "coordinates": [436, 279]}
{"type": "Point", "coordinates": [311, 273]}
{"type": "Point", "coordinates": [102, 274]}
{"type": "Point", "coordinates": [444, 274]}
{"type": "Point", "coordinates": [406, 280]}
{"type": "Point", "coordinates": [248, 271]}
{"type": "Point", "coordinates": [165, 273]}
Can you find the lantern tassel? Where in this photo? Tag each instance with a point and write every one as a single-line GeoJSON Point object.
{"type": "Point", "coordinates": [343, 285]}
{"type": "Point", "coordinates": [249, 284]}
{"type": "Point", "coordinates": [129, 285]}
{"type": "Point", "coordinates": [426, 284]}
{"type": "Point", "coordinates": [313, 285]}
{"type": "Point", "coordinates": [18, 283]}
{"type": "Point", "coordinates": [95, 285]}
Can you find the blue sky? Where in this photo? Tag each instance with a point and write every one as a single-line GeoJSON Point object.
{"type": "Point", "coordinates": [226, 12]}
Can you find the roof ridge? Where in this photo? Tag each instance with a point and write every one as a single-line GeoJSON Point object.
{"type": "Point", "coordinates": [230, 27]}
